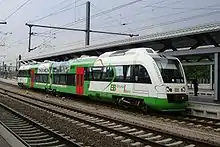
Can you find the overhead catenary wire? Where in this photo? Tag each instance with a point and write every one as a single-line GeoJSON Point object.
{"type": "Point", "coordinates": [209, 8]}
{"type": "Point", "coordinates": [64, 9]}
{"type": "Point", "coordinates": [112, 9]}
{"type": "Point", "coordinates": [158, 17]}
{"type": "Point", "coordinates": [100, 15]}
{"type": "Point", "coordinates": [176, 21]}
{"type": "Point", "coordinates": [16, 10]}
{"type": "Point", "coordinates": [106, 11]}
{"type": "Point", "coordinates": [136, 14]}
{"type": "Point", "coordinates": [160, 24]}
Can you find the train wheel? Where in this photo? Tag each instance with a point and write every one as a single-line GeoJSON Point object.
{"type": "Point", "coordinates": [143, 108]}
{"type": "Point", "coordinates": [54, 92]}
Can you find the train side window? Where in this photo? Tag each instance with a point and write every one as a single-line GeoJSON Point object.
{"type": "Point", "coordinates": [28, 73]}
{"type": "Point", "coordinates": [40, 79]}
{"type": "Point", "coordinates": [129, 74]}
{"type": "Point", "coordinates": [36, 78]}
{"type": "Point", "coordinates": [70, 79]}
{"type": "Point", "coordinates": [119, 74]}
{"type": "Point", "coordinates": [62, 80]}
{"type": "Point", "coordinates": [46, 78]}
{"type": "Point", "coordinates": [141, 74]}
{"type": "Point", "coordinates": [88, 74]}
{"type": "Point", "coordinates": [107, 74]}
{"type": "Point", "coordinates": [56, 79]}
{"type": "Point", "coordinates": [97, 73]}
{"type": "Point", "coordinates": [43, 79]}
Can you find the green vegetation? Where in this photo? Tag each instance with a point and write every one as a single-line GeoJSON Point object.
{"type": "Point", "coordinates": [202, 73]}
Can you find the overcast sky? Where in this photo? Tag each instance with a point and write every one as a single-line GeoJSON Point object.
{"type": "Point", "coordinates": [142, 17]}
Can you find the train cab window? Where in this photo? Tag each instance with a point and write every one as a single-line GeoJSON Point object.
{"type": "Point", "coordinates": [141, 75]}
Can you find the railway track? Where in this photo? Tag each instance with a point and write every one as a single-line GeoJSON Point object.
{"type": "Point", "coordinates": [125, 132]}
{"type": "Point", "coordinates": [199, 122]}
{"type": "Point", "coordinates": [31, 133]}
{"type": "Point", "coordinates": [195, 121]}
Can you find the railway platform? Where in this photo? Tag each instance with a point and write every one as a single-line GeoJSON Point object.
{"type": "Point", "coordinates": [3, 142]}
{"type": "Point", "coordinates": [7, 139]}
{"type": "Point", "coordinates": [201, 105]}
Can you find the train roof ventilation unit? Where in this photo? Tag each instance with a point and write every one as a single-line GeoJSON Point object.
{"type": "Point", "coordinates": [149, 50]}
{"type": "Point", "coordinates": [87, 56]}
{"type": "Point", "coordinates": [119, 53]}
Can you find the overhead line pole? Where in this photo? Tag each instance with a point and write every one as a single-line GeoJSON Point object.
{"type": "Point", "coordinates": [87, 30]}
{"type": "Point", "coordinates": [87, 39]}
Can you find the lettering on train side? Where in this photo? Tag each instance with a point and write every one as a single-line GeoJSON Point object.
{"type": "Point", "coordinates": [117, 87]}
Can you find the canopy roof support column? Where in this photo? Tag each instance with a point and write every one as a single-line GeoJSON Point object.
{"type": "Point", "coordinates": [216, 76]}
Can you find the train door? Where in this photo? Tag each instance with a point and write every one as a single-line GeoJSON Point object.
{"type": "Point", "coordinates": [79, 80]}
{"type": "Point", "coordinates": [32, 78]}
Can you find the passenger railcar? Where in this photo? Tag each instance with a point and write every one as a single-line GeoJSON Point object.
{"type": "Point", "coordinates": [138, 77]}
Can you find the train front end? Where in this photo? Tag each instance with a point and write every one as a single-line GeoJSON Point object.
{"type": "Point", "coordinates": [174, 83]}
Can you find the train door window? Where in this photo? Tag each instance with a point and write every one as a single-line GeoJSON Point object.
{"type": "Point", "coordinates": [141, 74]}
{"type": "Point", "coordinates": [62, 79]}
{"type": "Point", "coordinates": [97, 73]}
{"type": "Point", "coordinates": [119, 74]}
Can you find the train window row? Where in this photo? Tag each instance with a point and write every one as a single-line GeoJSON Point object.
{"type": "Point", "coordinates": [64, 79]}
{"type": "Point", "coordinates": [123, 73]}
{"type": "Point", "coordinates": [24, 73]}
{"type": "Point", "coordinates": [41, 78]}
{"type": "Point", "coordinates": [60, 79]}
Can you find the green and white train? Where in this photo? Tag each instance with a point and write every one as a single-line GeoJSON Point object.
{"type": "Point", "coordinates": [132, 77]}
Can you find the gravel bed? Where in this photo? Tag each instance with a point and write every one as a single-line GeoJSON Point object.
{"type": "Point", "coordinates": [88, 137]}
{"type": "Point", "coordinates": [144, 120]}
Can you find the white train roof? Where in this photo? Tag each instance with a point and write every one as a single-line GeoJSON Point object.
{"type": "Point", "coordinates": [132, 51]}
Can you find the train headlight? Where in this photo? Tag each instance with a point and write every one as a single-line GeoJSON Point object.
{"type": "Point", "coordinates": [183, 89]}
{"type": "Point", "coordinates": [169, 89]}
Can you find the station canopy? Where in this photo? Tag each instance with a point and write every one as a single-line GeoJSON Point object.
{"type": "Point", "coordinates": [179, 42]}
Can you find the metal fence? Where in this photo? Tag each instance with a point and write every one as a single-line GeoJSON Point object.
{"type": "Point", "coordinates": [8, 72]}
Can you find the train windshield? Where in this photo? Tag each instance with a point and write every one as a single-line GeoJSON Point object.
{"type": "Point", "coordinates": [170, 69]}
